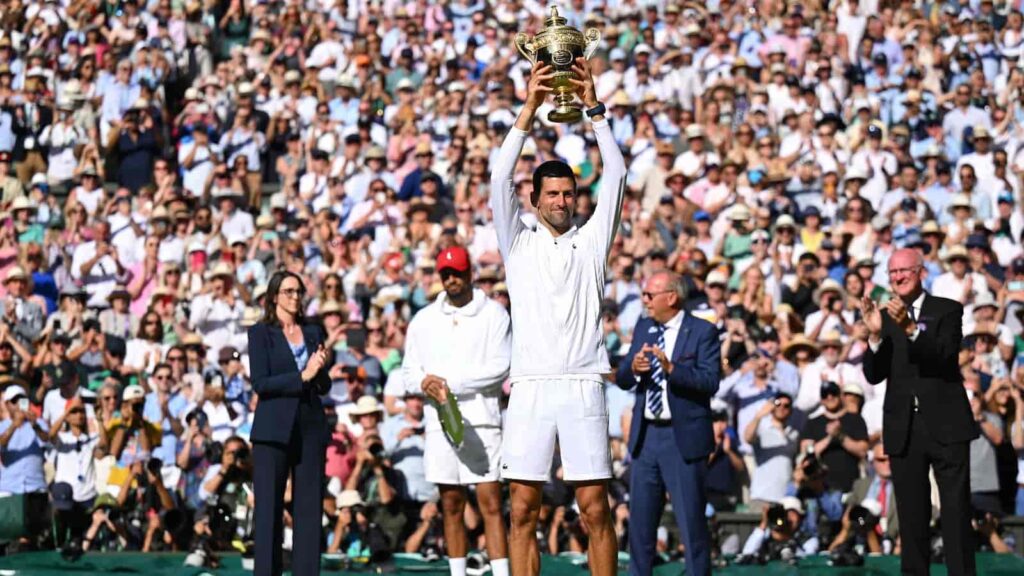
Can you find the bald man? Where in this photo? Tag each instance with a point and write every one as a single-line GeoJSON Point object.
{"type": "Point", "coordinates": [914, 343]}
{"type": "Point", "coordinates": [675, 365]}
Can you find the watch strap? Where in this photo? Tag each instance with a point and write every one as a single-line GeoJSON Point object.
{"type": "Point", "coordinates": [597, 110]}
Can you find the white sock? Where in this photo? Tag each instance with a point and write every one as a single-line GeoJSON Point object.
{"type": "Point", "coordinates": [499, 567]}
{"type": "Point", "coordinates": [457, 566]}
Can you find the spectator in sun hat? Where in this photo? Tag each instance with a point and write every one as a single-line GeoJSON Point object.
{"type": "Point", "coordinates": [10, 186]}
{"type": "Point", "coordinates": [116, 319]}
{"type": "Point", "coordinates": [24, 317]}
{"type": "Point", "coordinates": [216, 313]}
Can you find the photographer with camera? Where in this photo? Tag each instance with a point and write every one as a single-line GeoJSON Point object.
{"type": "Point", "coordinates": [231, 475]}
{"type": "Point", "coordinates": [780, 535]}
{"type": "Point", "coordinates": [143, 499]}
{"type": "Point", "coordinates": [132, 437]}
{"type": "Point", "coordinates": [875, 494]}
{"type": "Point", "coordinates": [354, 534]}
{"type": "Point", "coordinates": [838, 438]}
{"type": "Point", "coordinates": [379, 483]}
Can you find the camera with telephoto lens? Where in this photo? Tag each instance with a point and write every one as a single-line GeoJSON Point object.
{"type": "Point", "coordinates": [241, 455]}
{"type": "Point", "coordinates": [376, 449]}
{"type": "Point", "coordinates": [812, 466]}
{"type": "Point", "coordinates": [777, 517]}
{"type": "Point", "coordinates": [862, 520]}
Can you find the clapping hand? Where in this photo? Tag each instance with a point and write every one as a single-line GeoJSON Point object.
{"type": "Point", "coordinates": [872, 317]}
{"type": "Point", "coordinates": [897, 310]}
{"type": "Point", "coordinates": [641, 360]}
{"type": "Point", "coordinates": [666, 364]}
{"type": "Point", "coordinates": [316, 362]}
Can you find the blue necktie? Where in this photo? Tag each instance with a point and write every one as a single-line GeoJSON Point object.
{"type": "Point", "coordinates": [654, 391]}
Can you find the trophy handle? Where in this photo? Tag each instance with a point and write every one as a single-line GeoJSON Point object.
{"type": "Point", "coordinates": [525, 46]}
{"type": "Point", "coordinates": [593, 36]}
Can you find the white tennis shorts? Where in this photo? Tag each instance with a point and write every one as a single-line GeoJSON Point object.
{"type": "Point", "coordinates": [569, 411]}
{"type": "Point", "coordinates": [475, 462]}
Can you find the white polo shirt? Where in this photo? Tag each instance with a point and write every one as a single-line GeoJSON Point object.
{"type": "Point", "coordinates": [556, 284]}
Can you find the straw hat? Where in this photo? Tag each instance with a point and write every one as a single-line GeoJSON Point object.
{"type": "Point", "coordinates": [366, 405]}
{"type": "Point", "coordinates": [797, 343]}
{"type": "Point", "coordinates": [828, 285]}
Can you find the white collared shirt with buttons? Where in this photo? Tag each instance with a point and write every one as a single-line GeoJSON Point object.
{"type": "Point", "coordinates": [672, 328]}
{"type": "Point", "coordinates": [556, 283]}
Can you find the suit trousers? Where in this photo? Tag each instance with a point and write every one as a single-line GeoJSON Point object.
{"type": "Point", "coordinates": [913, 500]}
{"type": "Point", "coordinates": [303, 457]}
{"type": "Point", "coordinates": [659, 466]}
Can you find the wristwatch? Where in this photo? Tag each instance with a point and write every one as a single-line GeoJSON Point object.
{"type": "Point", "coordinates": [597, 110]}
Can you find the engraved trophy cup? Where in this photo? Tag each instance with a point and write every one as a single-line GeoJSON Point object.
{"type": "Point", "coordinates": [559, 45]}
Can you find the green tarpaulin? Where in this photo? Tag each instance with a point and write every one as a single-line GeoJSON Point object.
{"type": "Point", "coordinates": [51, 564]}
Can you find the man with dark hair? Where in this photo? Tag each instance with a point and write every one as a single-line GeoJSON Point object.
{"type": "Point", "coordinates": [461, 345]}
{"type": "Point", "coordinates": [556, 277]}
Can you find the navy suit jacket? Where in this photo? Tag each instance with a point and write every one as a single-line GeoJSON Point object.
{"type": "Point", "coordinates": [278, 381]}
{"type": "Point", "coordinates": [696, 373]}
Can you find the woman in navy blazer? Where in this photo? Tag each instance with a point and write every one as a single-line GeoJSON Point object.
{"type": "Point", "coordinates": [289, 366]}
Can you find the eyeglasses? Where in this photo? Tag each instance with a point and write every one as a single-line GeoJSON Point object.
{"type": "Point", "coordinates": [293, 292]}
{"type": "Point", "coordinates": [651, 295]}
{"type": "Point", "coordinates": [902, 271]}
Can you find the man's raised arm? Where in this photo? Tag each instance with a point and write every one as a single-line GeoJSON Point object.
{"type": "Point", "coordinates": [613, 175]}
{"type": "Point", "coordinates": [504, 203]}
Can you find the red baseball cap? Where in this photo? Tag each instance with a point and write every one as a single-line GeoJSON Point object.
{"type": "Point", "coordinates": [455, 258]}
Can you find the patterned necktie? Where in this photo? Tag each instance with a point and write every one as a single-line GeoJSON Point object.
{"type": "Point", "coordinates": [654, 391]}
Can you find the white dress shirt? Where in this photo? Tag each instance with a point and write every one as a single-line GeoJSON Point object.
{"type": "Point", "coordinates": [671, 333]}
{"type": "Point", "coordinates": [557, 282]}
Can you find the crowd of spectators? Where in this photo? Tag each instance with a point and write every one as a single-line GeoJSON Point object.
{"type": "Point", "coordinates": [160, 159]}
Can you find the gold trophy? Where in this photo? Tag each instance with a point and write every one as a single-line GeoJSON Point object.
{"type": "Point", "coordinates": [559, 45]}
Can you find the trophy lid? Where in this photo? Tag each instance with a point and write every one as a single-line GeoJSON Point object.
{"type": "Point", "coordinates": [555, 19]}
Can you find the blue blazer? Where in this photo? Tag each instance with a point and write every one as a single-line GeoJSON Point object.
{"type": "Point", "coordinates": [277, 380]}
{"type": "Point", "coordinates": [696, 373]}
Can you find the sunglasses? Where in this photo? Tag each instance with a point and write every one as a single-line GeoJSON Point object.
{"type": "Point", "coordinates": [76, 411]}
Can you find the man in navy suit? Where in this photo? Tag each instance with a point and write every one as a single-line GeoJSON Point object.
{"type": "Point", "coordinates": [675, 365]}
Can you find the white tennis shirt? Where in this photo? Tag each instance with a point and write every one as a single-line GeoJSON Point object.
{"type": "Point", "coordinates": [556, 284]}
